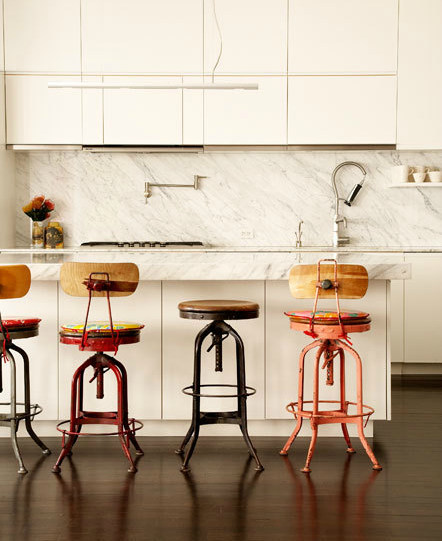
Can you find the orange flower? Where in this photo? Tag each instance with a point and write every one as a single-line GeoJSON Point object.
{"type": "Point", "coordinates": [37, 202]}
{"type": "Point", "coordinates": [28, 207]}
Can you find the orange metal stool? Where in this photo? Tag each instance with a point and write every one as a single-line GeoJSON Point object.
{"type": "Point", "coordinates": [330, 330]}
{"type": "Point", "coordinates": [102, 280]}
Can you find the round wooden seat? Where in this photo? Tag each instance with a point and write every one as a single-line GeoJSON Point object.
{"type": "Point", "coordinates": [99, 335]}
{"type": "Point", "coordinates": [218, 309]}
{"type": "Point", "coordinates": [20, 327]}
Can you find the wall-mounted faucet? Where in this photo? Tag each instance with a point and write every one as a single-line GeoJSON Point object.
{"type": "Point", "coordinates": [148, 186]}
{"type": "Point", "coordinates": [338, 239]}
{"type": "Point", "coordinates": [298, 235]}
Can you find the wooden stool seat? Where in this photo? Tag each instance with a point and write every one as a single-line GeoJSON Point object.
{"type": "Point", "coordinates": [218, 309]}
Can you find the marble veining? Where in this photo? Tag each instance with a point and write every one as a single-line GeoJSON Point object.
{"type": "Point", "coordinates": [100, 197]}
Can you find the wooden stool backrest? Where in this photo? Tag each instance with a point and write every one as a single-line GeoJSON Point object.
{"type": "Point", "coordinates": [15, 281]}
{"type": "Point", "coordinates": [352, 280]}
{"type": "Point", "coordinates": [124, 275]}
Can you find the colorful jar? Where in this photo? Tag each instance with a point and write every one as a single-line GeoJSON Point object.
{"type": "Point", "coordinates": [54, 235]}
{"type": "Point", "coordinates": [38, 235]}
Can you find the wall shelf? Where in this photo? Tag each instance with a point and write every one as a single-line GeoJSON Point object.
{"type": "Point", "coordinates": [417, 185]}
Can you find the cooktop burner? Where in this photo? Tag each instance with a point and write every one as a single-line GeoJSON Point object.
{"type": "Point", "coordinates": [141, 244]}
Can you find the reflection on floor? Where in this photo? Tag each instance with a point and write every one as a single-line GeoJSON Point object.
{"type": "Point", "coordinates": [223, 498]}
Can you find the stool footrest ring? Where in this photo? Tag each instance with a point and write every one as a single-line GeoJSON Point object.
{"type": "Point", "coordinates": [36, 409]}
{"type": "Point", "coordinates": [333, 414]}
{"type": "Point", "coordinates": [136, 425]}
{"type": "Point", "coordinates": [189, 391]}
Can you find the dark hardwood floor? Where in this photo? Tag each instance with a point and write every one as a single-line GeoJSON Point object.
{"type": "Point", "coordinates": [225, 499]}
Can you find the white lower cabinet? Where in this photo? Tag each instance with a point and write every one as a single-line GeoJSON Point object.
{"type": "Point", "coordinates": [246, 117]}
{"type": "Point", "coordinates": [38, 115]}
{"type": "Point", "coordinates": [142, 360]}
{"type": "Point", "coordinates": [283, 347]}
{"type": "Point", "coordinates": [41, 302]}
{"type": "Point", "coordinates": [178, 344]}
{"type": "Point", "coordinates": [423, 319]}
{"type": "Point", "coordinates": [341, 110]}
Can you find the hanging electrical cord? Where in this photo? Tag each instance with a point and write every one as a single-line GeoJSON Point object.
{"type": "Point", "coordinates": [220, 53]}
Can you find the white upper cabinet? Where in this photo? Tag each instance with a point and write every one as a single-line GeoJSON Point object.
{"type": "Point", "coordinates": [342, 110]}
{"type": "Point", "coordinates": [37, 115]}
{"type": "Point", "coordinates": [343, 36]}
{"type": "Point", "coordinates": [42, 36]}
{"type": "Point", "coordinates": [254, 34]}
{"type": "Point", "coordinates": [143, 117]}
{"type": "Point", "coordinates": [142, 36]}
{"type": "Point", "coordinates": [247, 117]}
{"type": "Point", "coordinates": [420, 75]}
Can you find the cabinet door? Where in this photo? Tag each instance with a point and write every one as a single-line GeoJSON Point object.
{"type": "Point", "coordinates": [254, 36]}
{"type": "Point", "coordinates": [420, 75]}
{"type": "Point", "coordinates": [92, 112]}
{"type": "Point", "coordinates": [342, 110]}
{"type": "Point", "coordinates": [41, 302]}
{"type": "Point", "coordinates": [142, 36]}
{"type": "Point", "coordinates": [247, 117]}
{"type": "Point", "coordinates": [422, 313]}
{"type": "Point", "coordinates": [143, 117]}
{"type": "Point", "coordinates": [36, 114]}
{"type": "Point", "coordinates": [283, 347]}
{"type": "Point", "coordinates": [343, 36]}
{"type": "Point", "coordinates": [142, 360]}
{"type": "Point", "coordinates": [42, 36]}
{"type": "Point", "coordinates": [178, 344]}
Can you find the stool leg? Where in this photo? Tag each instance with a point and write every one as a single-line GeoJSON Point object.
{"type": "Point", "coordinates": [311, 450]}
{"type": "Point", "coordinates": [196, 402]}
{"type": "Point", "coordinates": [76, 404]}
{"type": "Point", "coordinates": [343, 404]}
{"type": "Point", "coordinates": [14, 422]}
{"type": "Point", "coordinates": [242, 398]}
{"type": "Point", "coordinates": [368, 450]}
{"type": "Point", "coordinates": [284, 451]}
{"type": "Point", "coordinates": [27, 389]}
{"type": "Point", "coordinates": [130, 433]}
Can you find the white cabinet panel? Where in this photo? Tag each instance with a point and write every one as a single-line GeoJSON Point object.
{"type": "Point", "coordinates": [343, 36]}
{"type": "Point", "coordinates": [143, 116]}
{"type": "Point", "coordinates": [142, 36]}
{"type": "Point", "coordinates": [36, 114]}
{"type": "Point", "coordinates": [420, 75]}
{"type": "Point", "coordinates": [92, 112]}
{"type": "Point", "coordinates": [178, 344]}
{"type": "Point", "coordinates": [247, 117]}
{"type": "Point", "coordinates": [193, 113]}
{"type": "Point", "coordinates": [423, 318]}
{"type": "Point", "coordinates": [42, 35]}
{"type": "Point", "coordinates": [142, 360]}
{"type": "Point", "coordinates": [283, 347]}
{"type": "Point", "coordinates": [342, 110]}
{"type": "Point", "coordinates": [41, 302]}
{"type": "Point", "coordinates": [254, 36]}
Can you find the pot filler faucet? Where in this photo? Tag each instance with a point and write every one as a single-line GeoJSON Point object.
{"type": "Point", "coordinates": [338, 239]}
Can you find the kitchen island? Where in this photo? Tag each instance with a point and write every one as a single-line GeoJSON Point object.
{"type": "Point", "coordinates": [161, 365]}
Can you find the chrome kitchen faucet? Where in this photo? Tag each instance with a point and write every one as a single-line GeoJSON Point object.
{"type": "Point", "coordinates": [338, 239]}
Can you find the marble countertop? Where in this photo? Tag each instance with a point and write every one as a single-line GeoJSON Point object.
{"type": "Point", "coordinates": [210, 263]}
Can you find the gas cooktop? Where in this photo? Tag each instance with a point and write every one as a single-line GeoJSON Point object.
{"type": "Point", "coordinates": [141, 244]}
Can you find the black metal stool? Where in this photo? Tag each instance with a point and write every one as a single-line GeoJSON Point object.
{"type": "Point", "coordinates": [218, 311]}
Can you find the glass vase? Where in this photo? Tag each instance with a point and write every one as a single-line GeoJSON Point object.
{"type": "Point", "coordinates": [38, 235]}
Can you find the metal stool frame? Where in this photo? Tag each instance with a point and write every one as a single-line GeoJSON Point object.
{"type": "Point", "coordinates": [217, 328]}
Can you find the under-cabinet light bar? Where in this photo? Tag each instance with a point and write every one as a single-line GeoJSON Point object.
{"type": "Point", "coordinates": [149, 86]}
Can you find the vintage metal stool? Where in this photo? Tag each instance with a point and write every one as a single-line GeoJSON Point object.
{"type": "Point", "coordinates": [15, 281]}
{"type": "Point", "coordinates": [217, 312]}
{"type": "Point", "coordinates": [330, 330]}
{"type": "Point", "coordinates": [100, 280]}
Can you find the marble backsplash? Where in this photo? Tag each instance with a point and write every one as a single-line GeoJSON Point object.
{"type": "Point", "coordinates": [249, 198]}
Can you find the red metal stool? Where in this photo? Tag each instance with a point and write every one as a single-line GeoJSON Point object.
{"type": "Point", "coordinates": [15, 281]}
{"type": "Point", "coordinates": [100, 280]}
{"type": "Point", "coordinates": [330, 330]}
